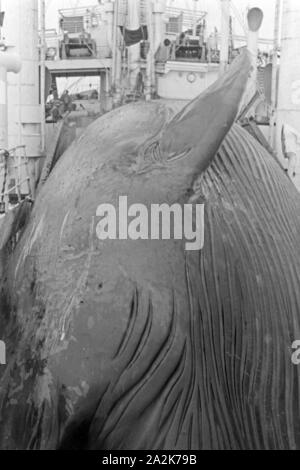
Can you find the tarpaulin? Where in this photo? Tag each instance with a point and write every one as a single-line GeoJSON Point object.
{"type": "Point", "coordinates": [132, 37]}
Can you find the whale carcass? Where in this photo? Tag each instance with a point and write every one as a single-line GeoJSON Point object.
{"type": "Point", "coordinates": [140, 344]}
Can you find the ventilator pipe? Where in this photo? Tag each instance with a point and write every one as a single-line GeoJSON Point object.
{"type": "Point", "coordinates": [255, 19]}
{"type": "Point", "coordinates": [9, 62]}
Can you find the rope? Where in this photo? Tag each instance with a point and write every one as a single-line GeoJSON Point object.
{"type": "Point", "coordinates": [5, 155]}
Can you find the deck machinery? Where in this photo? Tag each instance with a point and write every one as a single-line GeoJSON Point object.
{"type": "Point", "coordinates": [77, 40]}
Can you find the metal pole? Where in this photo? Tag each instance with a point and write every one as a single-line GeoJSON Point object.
{"type": "Point", "coordinates": [116, 56]}
{"type": "Point", "coordinates": [114, 42]}
{"type": "Point", "coordinates": [150, 58]}
{"type": "Point", "coordinates": [9, 62]}
{"type": "Point", "coordinates": [159, 9]}
{"type": "Point", "coordinates": [3, 107]}
{"type": "Point", "coordinates": [195, 18]}
{"type": "Point", "coordinates": [43, 73]}
{"type": "Point", "coordinates": [225, 30]}
{"type": "Point", "coordinates": [272, 133]}
{"type": "Point", "coordinates": [134, 55]}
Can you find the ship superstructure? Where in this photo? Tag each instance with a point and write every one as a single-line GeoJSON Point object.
{"type": "Point", "coordinates": [113, 52]}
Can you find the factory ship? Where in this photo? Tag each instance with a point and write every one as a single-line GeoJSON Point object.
{"type": "Point", "coordinates": [55, 82]}
{"type": "Point", "coordinates": [149, 227]}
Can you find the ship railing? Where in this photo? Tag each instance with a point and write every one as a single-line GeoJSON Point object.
{"type": "Point", "coordinates": [188, 17]}
{"type": "Point", "coordinates": [14, 177]}
{"type": "Point", "coordinates": [91, 15]}
{"type": "Point", "coordinates": [80, 11]}
{"type": "Point", "coordinates": [50, 33]}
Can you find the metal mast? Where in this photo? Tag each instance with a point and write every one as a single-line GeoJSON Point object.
{"type": "Point", "coordinates": [274, 72]}
{"type": "Point", "coordinates": [133, 23]}
{"type": "Point", "coordinates": [116, 54]}
{"type": "Point", "coordinates": [150, 55]}
{"type": "Point", "coordinates": [225, 32]}
{"type": "Point", "coordinates": [43, 72]}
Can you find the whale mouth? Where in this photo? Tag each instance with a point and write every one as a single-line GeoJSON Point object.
{"type": "Point", "coordinates": [185, 153]}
